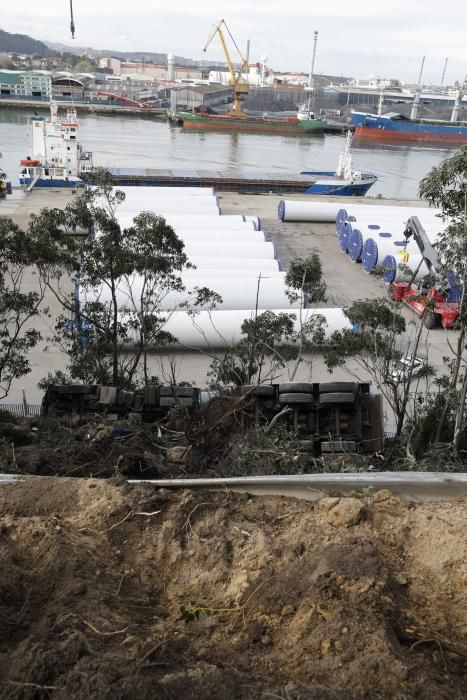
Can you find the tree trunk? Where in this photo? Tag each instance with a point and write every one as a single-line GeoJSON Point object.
{"type": "Point", "coordinates": [452, 385]}
{"type": "Point", "coordinates": [459, 424]}
{"type": "Point", "coordinates": [405, 398]}
{"type": "Point", "coordinates": [114, 336]}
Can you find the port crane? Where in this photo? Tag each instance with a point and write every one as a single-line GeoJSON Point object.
{"type": "Point", "coordinates": [432, 303]}
{"type": "Point", "coordinates": [123, 99]}
{"type": "Point", "coordinates": [237, 80]}
{"type": "Point", "coordinates": [72, 21]}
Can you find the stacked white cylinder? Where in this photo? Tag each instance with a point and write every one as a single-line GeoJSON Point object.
{"type": "Point", "coordinates": [292, 210]}
{"type": "Point", "coordinates": [230, 253]}
{"type": "Point", "coordinates": [196, 221]}
{"type": "Point", "coordinates": [242, 265]}
{"type": "Point", "coordinates": [232, 248]}
{"type": "Point", "coordinates": [402, 267]}
{"type": "Point", "coordinates": [191, 236]}
{"type": "Point", "coordinates": [246, 292]}
{"type": "Point", "coordinates": [220, 329]}
{"type": "Point", "coordinates": [150, 192]}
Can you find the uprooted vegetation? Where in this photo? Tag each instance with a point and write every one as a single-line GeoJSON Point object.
{"type": "Point", "coordinates": [216, 440]}
{"type": "Point", "coordinates": [119, 592]}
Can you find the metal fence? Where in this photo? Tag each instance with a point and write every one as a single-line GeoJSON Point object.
{"type": "Point", "coordinates": [21, 410]}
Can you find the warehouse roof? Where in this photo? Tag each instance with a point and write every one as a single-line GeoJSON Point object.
{"type": "Point", "coordinates": [205, 89]}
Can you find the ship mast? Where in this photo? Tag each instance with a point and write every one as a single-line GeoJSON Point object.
{"type": "Point", "coordinates": [416, 100]}
{"type": "Point", "coordinates": [457, 103]}
{"type": "Point", "coordinates": [311, 78]}
{"type": "Point", "coordinates": [444, 72]}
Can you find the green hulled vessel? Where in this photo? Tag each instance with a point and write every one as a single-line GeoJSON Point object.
{"type": "Point", "coordinates": [270, 125]}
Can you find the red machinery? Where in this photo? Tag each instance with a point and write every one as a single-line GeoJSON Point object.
{"type": "Point", "coordinates": [442, 302]}
{"type": "Point", "coordinates": [126, 101]}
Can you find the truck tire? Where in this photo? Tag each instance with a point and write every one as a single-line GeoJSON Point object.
{"type": "Point", "coordinates": [297, 398]}
{"type": "Point", "coordinates": [296, 388]}
{"type": "Point", "coordinates": [337, 398]}
{"type": "Point", "coordinates": [263, 390]}
{"type": "Point", "coordinates": [333, 387]}
{"type": "Point", "coordinates": [430, 319]}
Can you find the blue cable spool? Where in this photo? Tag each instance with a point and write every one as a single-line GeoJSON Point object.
{"type": "Point", "coordinates": [281, 210]}
{"type": "Point", "coordinates": [385, 234]}
{"type": "Point", "coordinates": [389, 269]}
{"type": "Point", "coordinates": [344, 222]}
{"type": "Point", "coordinates": [342, 215]}
{"type": "Point", "coordinates": [374, 227]}
{"type": "Point", "coordinates": [455, 288]}
{"type": "Point", "coordinates": [343, 237]}
{"type": "Point", "coordinates": [369, 255]}
{"type": "Point", "coordinates": [355, 245]}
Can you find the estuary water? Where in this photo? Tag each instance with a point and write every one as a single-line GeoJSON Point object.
{"type": "Point", "coordinates": [140, 142]}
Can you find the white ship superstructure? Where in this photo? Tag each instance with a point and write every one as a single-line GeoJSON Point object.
{"type": "Point", "coordinates": [57, 159]}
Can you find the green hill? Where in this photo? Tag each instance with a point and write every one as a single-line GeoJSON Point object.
{"type": "Point", "coordinates": [23, 44]}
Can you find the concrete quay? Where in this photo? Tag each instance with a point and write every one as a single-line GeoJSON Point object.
{"type": "Point", "coordinates": [346, 282]}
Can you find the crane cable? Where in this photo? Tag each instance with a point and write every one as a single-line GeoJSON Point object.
{"type": "Point", "coordinates": [72, 23]}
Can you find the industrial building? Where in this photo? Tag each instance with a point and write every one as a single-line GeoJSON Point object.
{"type": "Point", "coordinates": [154, 70]}
{"type": "Point", "coordinates": [193, 96]}
{"type": "Point", "coordinates": [25, 83]}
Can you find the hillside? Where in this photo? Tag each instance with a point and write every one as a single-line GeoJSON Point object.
{"type": "Point", "coordinates": [138, 56]}
{"type": "Point", "coordinates": [22, 44]}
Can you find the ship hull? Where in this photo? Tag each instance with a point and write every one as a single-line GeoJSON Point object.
{"type": "Point", "coordinates": [43, 182]}
{"type": "Point", "coordinates": [385, 128]}
{"type": "Point", "coordinates": [340, 189]}
{"type": "Point", "coordinates": [300, 128]}
{"type": "Point", "coordinates": [418, 136]}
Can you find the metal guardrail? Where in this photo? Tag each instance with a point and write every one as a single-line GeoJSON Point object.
{"type": "Point", "coordinates": [411, 486]}
{"type": "Point", "coordinates": [21, 410]}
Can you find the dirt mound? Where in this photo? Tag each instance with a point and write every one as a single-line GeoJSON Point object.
{"type": "Point", "coordinates": [111, 591]}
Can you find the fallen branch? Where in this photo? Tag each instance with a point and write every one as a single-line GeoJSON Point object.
{"type": "Point", "coordinates": [279, 415]}
{"type": "Point", "coordinates": [105, 634]}
{"type": "Point", "coordinates": [187, 523]}
{"type": "Point", "coordinates": [120, 522]}
{"type": "Point", "coordinates": [34, 685]}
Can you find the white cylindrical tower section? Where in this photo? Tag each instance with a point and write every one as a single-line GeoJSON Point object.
{"type": "Point", "coordinates": [170, 66]}
{"type": "Point", "coordinates": [38, 139]}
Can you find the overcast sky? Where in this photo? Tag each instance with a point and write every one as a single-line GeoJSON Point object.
{"type": "Point", "coordinates": [361, 39]}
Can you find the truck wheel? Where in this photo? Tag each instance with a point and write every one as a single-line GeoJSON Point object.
{"type": "Point", "coordinates": [293, 398]}
{"type": "Point", "coordinates": [296, 388]}
{"type": "Point", "coordinates": [333, 387]}
{"type": "Point", "coordinates": [337, 398]}
{"type": "Point", "coordinates": [430, 319]}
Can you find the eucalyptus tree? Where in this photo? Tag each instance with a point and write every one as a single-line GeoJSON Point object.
{"type": "Point", "coordinates": [19, 308]}
{"type": "Point", "coordinates": [273, 342]}
{"type": "Point", "coordinates": [122, 275]}
{"type": "Point", "coordinates": [445, 186]}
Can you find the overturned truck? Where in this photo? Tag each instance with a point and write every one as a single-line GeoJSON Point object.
{"type": "Point", "coordinates": [334, 417]}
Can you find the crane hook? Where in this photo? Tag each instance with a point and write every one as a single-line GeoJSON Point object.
{"type": "Point", "coordinates": [72, 23]}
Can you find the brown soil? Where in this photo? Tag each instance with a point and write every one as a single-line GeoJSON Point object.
{"type": "Point", "coordinates": [118, 592]}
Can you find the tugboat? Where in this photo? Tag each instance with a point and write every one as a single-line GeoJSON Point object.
{"type": "Point", "coordinates": [343, 182]}
{"type": "Point", "coordinates": [57, 159]}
